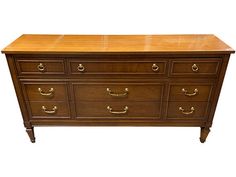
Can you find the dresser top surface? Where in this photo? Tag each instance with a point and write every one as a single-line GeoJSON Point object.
{"type": "Point", "coordinates": [72, 44]}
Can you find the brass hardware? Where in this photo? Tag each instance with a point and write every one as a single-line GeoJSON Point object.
{"type": "Point", "coordinates": [155, 67]}
{"type": "Point", "coordinates": [187, 112]}
{"type": "Point", "coordinates": [49, 93]}
{"type": "Point", "coordinates": [41, 67]}
{"type": "Point", "coordinates": [53, 111]}
{"type": "Point", "coordinates": [118, 94]}
{"type": "Point", "coordinates": [195, 68]}
{"type": "Point", "coordinates": [118, 112]}
{"type": "Point", "coordinates": [80, 68]}
{"type": "Point", "coordinates": [195, 91]}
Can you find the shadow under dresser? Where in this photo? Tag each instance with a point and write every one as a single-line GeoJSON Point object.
{"type": "Point", "coordinates": [118, 80]}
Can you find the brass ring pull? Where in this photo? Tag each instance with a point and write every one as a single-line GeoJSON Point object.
{"type": "Point", "coordinates": [41, 67]}
{"type": "Point", "coordinates": [118, 112]}
{"type": "Point", "coordinates": [195, 68]}
{"type": "Point", "coordinates": [118, 94]}
{"type": "Point", "coordinates": [80, 68]}
{"type": "Point", "coordinates": [195, 91]}
{"type": "Point", "coordinates": [155, 67]}
{"type": "Point", "coordinates": [49, 93]}
{"type": "Point", "coordinates": [187, 112]}
{"type": "Point", "coordinates": [53, 111]}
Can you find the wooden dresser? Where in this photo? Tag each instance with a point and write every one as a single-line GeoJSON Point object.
{"type": "Point", "coordinates": [118, 80]}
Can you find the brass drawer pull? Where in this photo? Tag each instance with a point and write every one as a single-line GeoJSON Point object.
{"type": "Point", "coordinates": [80, 68]}
{"type": "Point", "coordinates": [53, 111]}
{"type": "Point", "coordinates": [118, 112]}
{"type": "Point", "coordinates": [41, 67]}
{"type": "Point", "coordinates": [49, 93]}
{"type": "Point", "coordinates": [155, 67]}
{"type": "Point", "coordinates": [195, 91]}
{"type": "Point", "coordinates": [118, 94]}
{"type": "Point", "coordinates": [195, 68]}
{"type": "Point", "coordinates": [187, 112]}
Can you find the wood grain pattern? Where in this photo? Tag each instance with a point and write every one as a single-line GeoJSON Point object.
{"type": "Point", "coordinates": [48, 66]}
{"type": "Point", "coordinates": [55, 44]}
{"type": "Point", "coordinates": [204, 67]}
{"type": "Point", "coordinates": [119, 67]}
{"type": "Point", "coordinates": [32, 93]}
{"type": "Point", "coordinates": [136, 110]}
{"type": "Point", "coordinates": [62, 111]}
{"type": "Point", "coordinates": [203, 93]}
{"type": "Point", "coordinates": [200, 110]}
{"type": "Point", "coordinates": [136, 92]}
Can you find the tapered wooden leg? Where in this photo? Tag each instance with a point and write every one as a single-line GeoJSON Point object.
{"type": "Point", "coordinates": [30, 132]}
{"type": "Point", "coordinates": [204, 133]}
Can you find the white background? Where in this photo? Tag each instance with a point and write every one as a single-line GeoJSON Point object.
{"type": "Point", "coordinates": [117, 151]}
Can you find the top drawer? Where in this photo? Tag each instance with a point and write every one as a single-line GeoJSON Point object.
{"type": "Point", "coordinates": [195, 67]}
{"type": "Point", "coordinates": [117, 67]}
{"type": "Point", "coordinates": [40, 66]}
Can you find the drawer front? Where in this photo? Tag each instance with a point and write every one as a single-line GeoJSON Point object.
{"type": "Point", "coordinates": [40, 66]}
{"type": "Point", "coordinates": [118, 67]}
{"type": "Point", "coordinates": [190, 92]}
{"type": "Point", "coordinates": [187, 110]}
{"type": "Point", "coordinates": [45, 91]}
{"type": "Point", "coordinates": [49, 109]}
{"type": "Point", "coordinates": [118, 92]}
{"type": "Point", "coordinates": [118, 110]}
{"type": "Point", "coordinates": [197, 67]}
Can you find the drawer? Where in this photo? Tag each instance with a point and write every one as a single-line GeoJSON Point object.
{"type": "Point", "coordinates": [49, 109]}
{"type": "Point", "coordinates": [118, 67]}
{"type": "Point", "coordinates": [190, 92]}
{"type": "Point", "coordinates": [195, 67]}
{"type": "Point", "coordinates": [118, 92]}
{"type": "Point", "coordinates": [40, 66]}
{"type": "Point", "coordinates": [187, 110]}
{"type": "Point", "coordinates": [45, 91]}
{"type": "Point", "coordinates": [124, 110]}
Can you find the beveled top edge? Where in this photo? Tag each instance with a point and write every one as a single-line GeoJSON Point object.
{"type": "Point", "coordinates": [75, 44]}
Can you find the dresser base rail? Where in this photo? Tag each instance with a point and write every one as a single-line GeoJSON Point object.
{"type": "Point", "coordinates": [116, 123]}
{"type": "Point", "coordinates": [42, 123]}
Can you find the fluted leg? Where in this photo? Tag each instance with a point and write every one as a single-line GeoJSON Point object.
{"type": "Point", "coordinates": [204, 133]}
{"type": "Point", "coordinates": [30, 132]}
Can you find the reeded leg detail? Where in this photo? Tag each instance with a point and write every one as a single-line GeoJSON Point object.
{"type": "Point", "coordinates": [30, 132]}
{"type": "Point", "coordinates": [204, 133]}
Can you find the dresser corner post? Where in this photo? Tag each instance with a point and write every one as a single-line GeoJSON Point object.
{"type": "Point", "coordinates": [204, 133]}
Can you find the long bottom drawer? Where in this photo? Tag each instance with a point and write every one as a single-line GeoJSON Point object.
{"type": "Point", "coordinates": [136, 110]}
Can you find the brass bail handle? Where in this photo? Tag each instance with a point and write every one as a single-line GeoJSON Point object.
{"type": "Point", "coordinates": [53, 111]}
{"type": "Point", "coordinates": [187, 112]}
{"type": "Point", "coordinates": [125, 93]}
{"type": "Point", "coordinates": [117, 112]}
{"type": "Point", "coordinates": [185, 91]}
{"type": "Point", "coordinates": [49, 93]}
